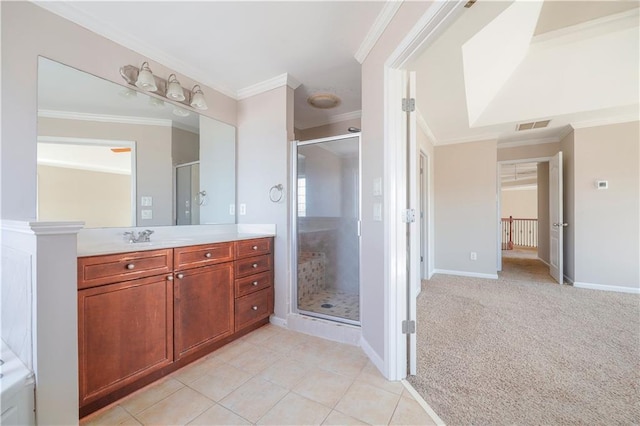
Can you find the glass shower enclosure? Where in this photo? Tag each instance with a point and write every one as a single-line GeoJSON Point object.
{"type": "Point", "coordinates": [327, 228]}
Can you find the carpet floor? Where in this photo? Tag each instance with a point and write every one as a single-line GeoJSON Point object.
{"type": "Point", "coordinates": [523, 350]}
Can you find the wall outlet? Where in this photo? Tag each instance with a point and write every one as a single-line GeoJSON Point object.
{"type": "Point", "coordinates": [377, 186]}
{"type": "Point", "coordinates": [146, 214]}
{"type": "Point", "coordinates": [473, 255]}
{"type": "Point", "coordinates": [243, 209]}
{"type": "Point", "coordinates": [232, 209]}
{"type": "Point", "coordinates": [377, 212]}
{"type": "Point", "coordinates": [146, 201]}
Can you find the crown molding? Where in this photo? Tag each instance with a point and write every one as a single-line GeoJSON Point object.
{"type": "Point", "coordinates": [422, 123]}
{"type": "Point", "coordinates": [625, 118]}
{"type": "Point", "coordinates": [270, 84]}
{"type": "Point", "coordinates": [69, 11]}
{"type": "Point", "coordinates": [377, 28]}
{"type": "Point", "coordinates": [353, 115]}
{"type": "Point", "coordinates": [103, 118]}
{"type": "Point", "coordinates": [593, 28]}
{"type": "Point", "coordinates": [479, 138]}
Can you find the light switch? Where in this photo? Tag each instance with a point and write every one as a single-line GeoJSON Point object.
{"type": "Point", "coordinates": [243, 209]}
{"type": "Point", "coordinates": [146, 201]}
{"type": "Point", "coordinates": [146, 214]}
{"type": "Point", "coordinates": [232, 209]}
{"type": "Point", "coordinates": [377, 212]}
{"type": "Point", "coordinates": [377, 186]}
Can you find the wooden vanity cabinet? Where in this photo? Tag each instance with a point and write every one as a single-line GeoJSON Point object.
{"type": "Point", "coordinates": [203, 304]}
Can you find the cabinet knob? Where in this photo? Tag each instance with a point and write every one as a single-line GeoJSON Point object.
{"type": "Point", "coordinates": [255, 283]}
{"type": "Point", "coordinates": [255, 247]}
{"type": "Point", "coordinates": [169, 277]}
{"type": "Point", "coordinates": [130, 266]}
{"type": "Point", "coordinates": [207, 255]}
{"type": "Point", "coordinates": [255, 265]}
{"type": "Point", "coordinates": [180, 276]}
{"type": "Point", "coordinates": [255, 308]}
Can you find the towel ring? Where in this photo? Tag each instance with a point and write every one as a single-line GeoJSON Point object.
{"type": "Point", "coordinates": [276, 193]}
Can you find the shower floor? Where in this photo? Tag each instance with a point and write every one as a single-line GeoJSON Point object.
{"type": "Point", "coordinates": [342, 305]}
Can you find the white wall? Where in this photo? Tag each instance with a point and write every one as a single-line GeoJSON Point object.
{"type": "Point", "coordinates": [465, 207]}
{"type": "Point", "coordinates": [264, 126]}
{"type": "Point", "coordinates": [426, 146]}
{"type": "Point", "coordinates": [520, 203]}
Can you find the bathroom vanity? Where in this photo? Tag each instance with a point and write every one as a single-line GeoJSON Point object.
{"type": "Point", "coordinates": [143, 314]}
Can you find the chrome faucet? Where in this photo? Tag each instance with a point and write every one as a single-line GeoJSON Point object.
{"type": "Point", "coordinates": [141, 237]}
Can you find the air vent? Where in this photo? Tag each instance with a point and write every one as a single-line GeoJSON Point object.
{"type": "Point", "coordinates": [532, 125]}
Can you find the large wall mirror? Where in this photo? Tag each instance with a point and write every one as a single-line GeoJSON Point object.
{"type": "Point", "coordinates": [112, 156]}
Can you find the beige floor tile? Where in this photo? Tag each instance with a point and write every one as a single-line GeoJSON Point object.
{"type": "Point", "coordinates": [220, 381]}
{"type": "Point", "coordinates": [336, 418]}
{"type": "Point", "coordinates": [218, 415]}
{"type": "Point", "coordinates": [409, 412]}
{"type": "Point", "coordinates": [312, 351]}
{"type": "Point", "coordinates": [262, 334]}
{"type": "Point", "coordinates": [285, 341]}
{"type": "Point", "coordinates": [254, 398]}
{"type": "Point", "coordinates": [285, 372]}
{"type": "Point", "coordinates": [195, 370]}
{"type": "Point", "coordinates": [255, 361]}
{"type": "Point", "coordinates": [322, 386]}
{"type": "Point", "coordinates": [371, 375]}
{"type": "Point", "coordinates": [151, 394]}
{"type": "Point", "coordinates": [294, 409]}
{"type": "Point", "coordinates": [177, 409]}
{"type": "Point", "coordinates": [368, 403]}
{"type": "Point", "coordinates": [346, 363]}
{"type": "Point", "coordinates": [234, 349]}
{"type": "Point", "coordinates": [114, 415]}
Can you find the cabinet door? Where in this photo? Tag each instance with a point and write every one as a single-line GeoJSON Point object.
{"type": "Point", "coordinates": [203, 307]}
{"type": "Point", "coordinates": [125, 332]}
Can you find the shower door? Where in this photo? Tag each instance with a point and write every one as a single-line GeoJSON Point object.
{"type": "Point", "coordinates": [327, 228]}
{"type": "Point", "coordinates": [188, 194]}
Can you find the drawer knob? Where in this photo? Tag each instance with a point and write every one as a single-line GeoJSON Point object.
{"type": "Point", "coordinates": [180, 276]}
{"type": "Point", "coordinates": [255, 247]}
{"type": "Point", "coordinates": [207, 255]}
{"type": "Point", "coordinates": [169, 277]}
{"type": "Point", "coordinates": [255, 283]}
{"type": "Point", "coordinates": [130, 266]}
{"type": "Point", "coordinates": [255, 308]}
{"type": "Point", "coordinates": [255, 265]}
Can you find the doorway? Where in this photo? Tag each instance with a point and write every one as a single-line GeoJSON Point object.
{"type": "Point", "coordinates": [327, 228]}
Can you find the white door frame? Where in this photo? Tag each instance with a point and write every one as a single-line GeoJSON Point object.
{"type": "Point", "coordinates": [428, 28]}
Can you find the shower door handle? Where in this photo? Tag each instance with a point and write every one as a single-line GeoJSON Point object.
{"type": "Point", "coordinates": [359, 228]}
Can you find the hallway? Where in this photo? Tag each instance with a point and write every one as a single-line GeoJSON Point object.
{"type": "Point", "coordinates": [522, 264]}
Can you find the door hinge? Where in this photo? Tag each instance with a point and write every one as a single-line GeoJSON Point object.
{"type": "Point", "coordinates": [408, 327]}
{"type": "Point", "coordinates": [408, 105]}
{"type": "Point", "coordinates": [409, 216]}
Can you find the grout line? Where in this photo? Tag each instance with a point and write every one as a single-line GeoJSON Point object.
{"type": "Point", "coordinates": [420, 400]}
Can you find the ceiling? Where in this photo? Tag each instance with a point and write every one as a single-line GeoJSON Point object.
{"type": "Point", "coordinates": [238, 46]}
{"type": "Point", "coordinates": [558, 63]}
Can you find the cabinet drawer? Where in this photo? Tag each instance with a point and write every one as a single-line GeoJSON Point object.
{"type": "Point", "coordinates": [202, 255]}
{"type": "Point", "coordinates": [253, 283]}
{"type": "Point", "coordinates": [253, 307]}
{"type": "Point", "coordinates": [253, 265]}
{"type": "Point", "coordinates": [99, 270]}
{"type": "Point", "coordinates": [249, 248]}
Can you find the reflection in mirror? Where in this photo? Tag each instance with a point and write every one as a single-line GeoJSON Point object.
{"type": "Point", "coordinates": [111, 156]}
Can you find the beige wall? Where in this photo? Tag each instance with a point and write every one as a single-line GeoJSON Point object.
{"type": "Point", "coordinates": [185, 146]}
{"type": "Point", "coordinates": [263, 148]}
{"type": "Point", "coordinates": [520, 203]}
{"type": "Point", "coordinates": [543, 211]}
{"type": "Point", "coordinates": [568, 173]}
{"type": "Point", "coordinates": [465, 207]}
{"type": "Point", "coordinates": [528, 151]}
{"type": "Point", "coordinates": [426, 146]}
{"type": "Point", "coordinates": [153, 158]}
{"type": "Point", "coordinates": [373, 136]}
{"type": "Point", "coordinates": [333, 129]}
{"type": "Point", "coordinates": [96, 198]}
{"type": "Point", "coordinates": [29, 31]}
{"type": "Point", "coordinates": [607, 221]}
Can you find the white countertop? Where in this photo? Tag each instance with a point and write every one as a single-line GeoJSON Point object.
{"type": "Point", "coordinates": [110, 241]}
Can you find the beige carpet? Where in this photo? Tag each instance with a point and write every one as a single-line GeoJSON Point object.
{"type": "Point", "coordinates": [516, 351]}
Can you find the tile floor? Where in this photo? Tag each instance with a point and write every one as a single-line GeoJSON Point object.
{"type": "Point", "coordinates": [343, 305]}
{"type": "Point", "coordinates": [271, 376]}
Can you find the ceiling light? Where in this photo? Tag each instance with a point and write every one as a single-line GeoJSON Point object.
{"type": "Point", "coordinates": [197, 99]}
{"type": "Point", "coordinates": [145, 79]}
{"type": "Point", "coordinates": [323, 100]}
{"type": "Point", "coordinates": [174, 90]}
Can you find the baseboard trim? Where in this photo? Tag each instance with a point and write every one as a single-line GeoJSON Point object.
{"type": "Point", "coordinates": [425, 406]}
{"type": "Point", "coordinates": [544, 261]}
{"type": "Point", "coordinates": [280, 322]}
{"type": "Point", "coordinates": [373, 355]}
{"type": "Point", "coordinates": [465, 274]}
{"type": "Point", "coordinates": [326, 329]}
{"type": "Point", "coordinates": [603, 287]}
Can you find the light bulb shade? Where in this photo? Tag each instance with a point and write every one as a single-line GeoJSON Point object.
{"type": "Point", "coordinates": [197, 100]}
{"type": "Point", "coordinates": [145, 79]}
{"type": "Point", "coordinates": [174, 89]}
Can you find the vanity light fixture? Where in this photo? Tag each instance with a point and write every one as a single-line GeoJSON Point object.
{"type": "Point", "coordinates": [145, 79]}
{"type": "Point", "coordinates": [174, 90]}
{"type": "Point", "coordinates": [197, 99]}
{"type": "Point", "coordinates": [170, 89]}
